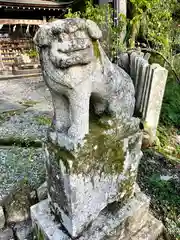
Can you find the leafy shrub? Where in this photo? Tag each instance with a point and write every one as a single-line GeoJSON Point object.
{"type": "Point", "coordinates": [102, 15]}
{"type": "Point", "coordinates": [170, 113]}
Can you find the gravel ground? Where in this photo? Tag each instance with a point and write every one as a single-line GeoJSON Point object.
{"type": "Point", "coordinates": [31, 89]}
{"type": "Point", "coordinates": [20, 165]}
{"type": "Point", "coordinates": [28, 126]}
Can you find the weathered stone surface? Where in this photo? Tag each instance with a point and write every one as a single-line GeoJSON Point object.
{"type": "Point", "coordinates": [158, 82]}
{"type": "Point", "coordinates": [19, 166]}
{"type": "Point", "coordinates": [23, 230]}
{"type": "Point", "coordinates": [147, 56]}
{"type": "Point", "coordinates": [143, 67]}
{"type": "Point", "coordinates": [132, 66]}
{"type": "Point", "coordinates": [137, 65]}
{"type": "Point", "coordinates": [145, 92]}
{"type": "Point", "coordinates": [124, 61]}
{"type": "Point", "coordinates": [17, 206]}
{"type": "Point", "coordinates": [151, 231]}
{"type": "Point", "coordinates": [43, 223]}
{"type": "Point", "coordinates": [2, 218]}
{"type": "Point", "coordinates": [114, 222]}
{"type": "Point", "coordinates": [82, 183]}
{"type": "Point", "coordinates": [75, 67]}
{"type": "Point", "coordinates": [42, 191]}
{"type": "Point", "coordinates": [6, 234]}
{"type": "Point", "coordinates": [110, 223]}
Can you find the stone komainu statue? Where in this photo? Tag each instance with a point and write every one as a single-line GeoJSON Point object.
{"type": "Point", "coordinates": [75, 68]}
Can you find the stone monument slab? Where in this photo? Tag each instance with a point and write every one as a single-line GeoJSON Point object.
{"type": "Point", "coordinates": [158, 82]}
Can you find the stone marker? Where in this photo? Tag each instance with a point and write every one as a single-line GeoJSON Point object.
{"type": "Point", "coordinates": [158, 83]}
{"type": "Point", "coordinates": [149, 81]}
{"type": "Point", "coordinates": [132, 66]}
{"type": "Point", "coordinates": [143, 67]}
{"type": "Point", "coordinates": [124, 61]}
{"type": "Point", "coordinates": [145, 91]}
{"type": "Point", "coordinates": [92, 154]}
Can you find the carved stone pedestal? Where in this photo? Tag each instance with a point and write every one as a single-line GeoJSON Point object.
{"type": "Point", "coordinates": [91, 191]}
{"type": "Point", "coordinates": [131, 222]}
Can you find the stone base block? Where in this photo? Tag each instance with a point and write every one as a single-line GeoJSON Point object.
{"type": "Point", "coordinates": [131, 222]}
{"type": "Point", "coordinates": [152, 230]}
{"type": "Point", "coordinates": [82, 183]}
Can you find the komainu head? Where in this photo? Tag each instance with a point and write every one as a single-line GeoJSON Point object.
{"type": "Point", "coordinates": [68, 42]}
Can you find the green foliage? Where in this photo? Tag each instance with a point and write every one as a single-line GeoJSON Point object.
{"type": "Point", "coordinates": [165, 190]}
{"type": "Point", "coordinates": [166, 143]}
{"type": "Point", "coordinates": [158, 25]}
{"type": "Point", "coordinates": [163, 136]}
{"type": "Point", "coordinates": [165, 194]}
{"type": "Point", "coordinates": [151, 21]}
{"type": "Point", "coordinates": [43, 120]}
{"type": "Point", "coordinates": [102, 15]}
{"type": "Point", "coordinates": [170, 113]}
{"type": "Point", "coordinates": [32, 53]}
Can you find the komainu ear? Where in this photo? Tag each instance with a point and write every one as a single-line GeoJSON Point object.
{"type": "Point", "coordinates": [93, 29]}
{"type": "Point", "coordinates": [43, 36]}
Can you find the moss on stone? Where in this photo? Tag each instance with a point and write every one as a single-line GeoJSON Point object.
{"type": "Point", "coordinates": [96, 49]}
{"type": "Point", "coordinates": [102, 152]}
{"type": "Point", "coordinates": [127, 186]}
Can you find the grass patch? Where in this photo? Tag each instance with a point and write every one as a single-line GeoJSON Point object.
{"type": "Point", "coordinates": [166, 143]}
{"type": "Point", "coordinates": [28, 103]}
{"type": "Point", "coordinates": [165, 194]}
{"type": "Point", "coordinates": [170, 112]}
{"type": "Point", "coordinates": [43, 120]}
{"type": "Point", "coordinates": [7, 115]}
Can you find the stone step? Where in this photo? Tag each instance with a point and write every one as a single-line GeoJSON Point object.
{"type": "Point", "coordinates": [27, 71]}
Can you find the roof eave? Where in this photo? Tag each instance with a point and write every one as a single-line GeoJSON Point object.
{"type": "Point", "coordinates": [57, 6]}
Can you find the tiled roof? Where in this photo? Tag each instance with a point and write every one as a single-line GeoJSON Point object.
{"type": "Point", "coordinates": [35, 3]}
